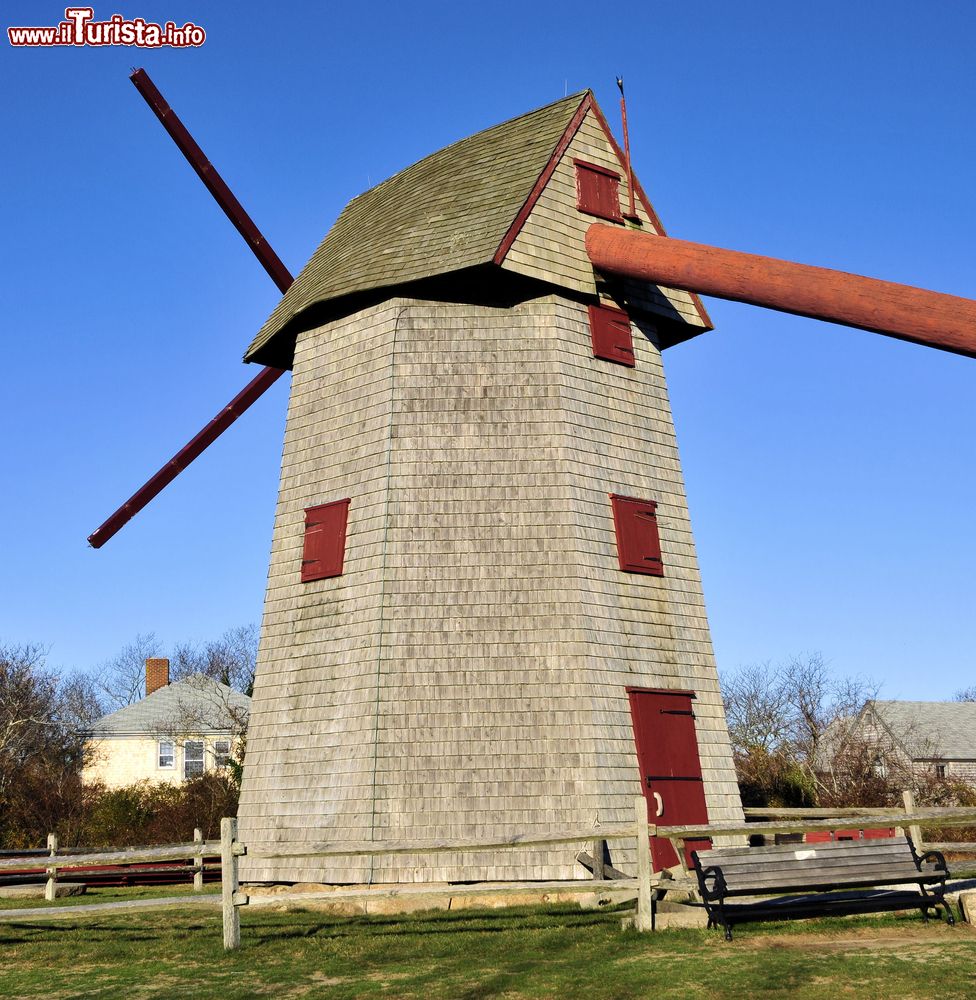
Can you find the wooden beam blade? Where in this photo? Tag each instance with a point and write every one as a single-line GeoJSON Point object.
{"type": "Point", "coordinates": [241, 402]}
{"type": "Point", "coordinates": [934, 319]}
{"type": "Point", "coordinates": [214, 183]}
{"type": "Point", "coordinates": [268, 259]}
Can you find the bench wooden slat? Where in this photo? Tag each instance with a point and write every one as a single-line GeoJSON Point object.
{"type": "Point", "coordinates": [805, 855]}
{"type": "Point", "coordinates": [802, 864]}
{"type": "Point", "coordinates": [819, 875]}
{"type": "Point", "coordinates": [827, 847]}
{"type": "Point", "coordinates": [826, 880]}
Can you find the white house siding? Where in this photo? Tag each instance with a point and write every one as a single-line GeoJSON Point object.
{"type": "Point", "coordinates": [124, 760]}
{"type": "Point", "coordinates": [465, 675]}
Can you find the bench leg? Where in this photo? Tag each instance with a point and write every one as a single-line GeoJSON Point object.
{"type": "Point", "coordinates": [724, 921]}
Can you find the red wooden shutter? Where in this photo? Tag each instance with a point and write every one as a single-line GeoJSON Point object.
{"type": "Point", "coordinates": [597, 191]}
{"type": "Point", "coordinates": [638, 544]}
{"type": "Point", "coordinates": [325, 540]}
{"type": "Point", "coordinates": [611, 336]}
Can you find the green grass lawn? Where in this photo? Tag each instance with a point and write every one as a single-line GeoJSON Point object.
{"type": "Point", "coordinates": [531, 952]}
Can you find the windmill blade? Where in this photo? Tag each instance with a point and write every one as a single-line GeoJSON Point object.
{"type": "Point", "coordinates": [934, 319]}
{"type": "Point", "coordinates": [197, 444]}
{"type": "Point", "coordinates": [215, 184]}
{"type": "Point", "coordinates": [268, 259]}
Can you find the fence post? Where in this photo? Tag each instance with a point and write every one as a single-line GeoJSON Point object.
{"type": "Point", "coordinates": [644, 920]}
{"type": "Point", "coordinates": [599, 854]}
{"type": "Point", "coordinates": [198, 861]}
{"type": "Point", "coordinates": [51, 888]}
{"type": "Point", "coordinates": [229, 882]}
{"type": "Point", "coordinates": [914, 831]}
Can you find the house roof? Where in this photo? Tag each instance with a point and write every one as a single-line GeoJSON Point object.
{"type": "Point", "coordinates": [450, 211]}
{"type": "Point", "coordinates": [931, 729]}
{"type": "Point", "coordinates": [194, 704]}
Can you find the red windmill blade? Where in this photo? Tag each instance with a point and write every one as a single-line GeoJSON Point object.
{"type": "Point", "coordinates": [268, 259]}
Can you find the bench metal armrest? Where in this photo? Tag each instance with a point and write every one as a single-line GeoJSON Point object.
{"type": "Point", "coordinates": [718, 888]}
{"type": "Point", "coordinates": [939, 860]}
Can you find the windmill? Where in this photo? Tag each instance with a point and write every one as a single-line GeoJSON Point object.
{"type": "Point", "coordinates": [484, 613]}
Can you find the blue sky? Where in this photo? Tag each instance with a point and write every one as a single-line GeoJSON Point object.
{"type": "Point", "coordinates": [830, 472]}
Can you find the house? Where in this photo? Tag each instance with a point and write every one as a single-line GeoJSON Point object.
{"type": "Point", "coordinates": [177, 731]}
{"type": "Point", "coordinates": [933, 737]}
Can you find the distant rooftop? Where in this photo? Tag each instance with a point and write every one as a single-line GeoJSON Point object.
{"type": "Point", "coordinates": [931, 730]}
{"type": "Point", "coordinates": [194, 704]}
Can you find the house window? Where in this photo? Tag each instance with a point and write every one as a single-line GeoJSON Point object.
{"type": "Point", "coordinates": [597, 191]}
{"type": "Point", "coordinates": [325, 540]}
{"type": "Point", "coordinates": [192, 758]}
{"type": "Point", "coordinates": [638, 544]}
{"type": "Point", "coordinates": [221, 751]}
{"type": "Point", "coordinates": [940, 770]}
{"type": "Point", "coordinates": [611, 336]}
{"type": "Point", "coordinates": [167, 754]}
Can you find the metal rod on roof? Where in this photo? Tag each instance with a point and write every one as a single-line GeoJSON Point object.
{"type": "Point", "coordinates": [632, 209]}
{"type": "Point", "coordinates": [269, 260]}
{"type": "Point", "coordinates": [934, 319]}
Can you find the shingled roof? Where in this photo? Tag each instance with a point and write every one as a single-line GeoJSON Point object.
{"type": "Point", "coordinates": [931, 730]}
{"type": "Point", "coordinates": [195, 703]}
{"type": "Point", "coordinates": [447, 212]}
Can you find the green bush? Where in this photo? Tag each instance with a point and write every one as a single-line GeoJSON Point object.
{"type": "Point", "coordinates": [94, 816]}
{"type": "Point", "coordinates": [157, 813]}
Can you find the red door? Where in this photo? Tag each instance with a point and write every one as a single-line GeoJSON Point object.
{"type": "Point", "coordinates": [671, 777]}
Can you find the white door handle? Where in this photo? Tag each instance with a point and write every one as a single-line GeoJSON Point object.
{"type": "Point", "coordinates": [660, 804]}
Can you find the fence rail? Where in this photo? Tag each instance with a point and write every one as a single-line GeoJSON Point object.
{"type": "Point", "coordinates": [645, 886]}
{"type": "Point", "coordinates": [893, 817]}
{"type": "Point", "coordinates": [169, 852]}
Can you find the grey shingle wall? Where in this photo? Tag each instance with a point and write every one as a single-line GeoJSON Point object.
{"type": "Point", "coordinates": [465, 675]}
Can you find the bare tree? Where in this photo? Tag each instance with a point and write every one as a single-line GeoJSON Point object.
{"type": "Point", "coordinates": [122, 680]}
{"type": "Point", "coordinates": [787, 723]}
{"type": "Point", "coordinates": [41, 748]}
{"type": "Point", "coordinates": [966, 694]}
{"type": "Point", "coordinates": [230, 660]}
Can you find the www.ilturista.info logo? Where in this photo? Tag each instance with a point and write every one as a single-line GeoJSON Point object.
{"type": "Point", "coordinates": [80, 28]}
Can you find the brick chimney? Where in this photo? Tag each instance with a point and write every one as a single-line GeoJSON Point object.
{"type": "Point", "coordinates": [157, 675]}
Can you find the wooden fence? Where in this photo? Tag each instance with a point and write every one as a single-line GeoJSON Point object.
{"type": "Point", "coordinates": [194, 852]}
{"type": "Point", "coordinates": [646, 886]}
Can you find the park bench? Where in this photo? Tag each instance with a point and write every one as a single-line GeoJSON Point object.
{"type": "Point", "coordinates": [806, 880]}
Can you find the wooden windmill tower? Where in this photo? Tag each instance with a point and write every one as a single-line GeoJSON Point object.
{"type": "Point", "coordinates": [484, 613]}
